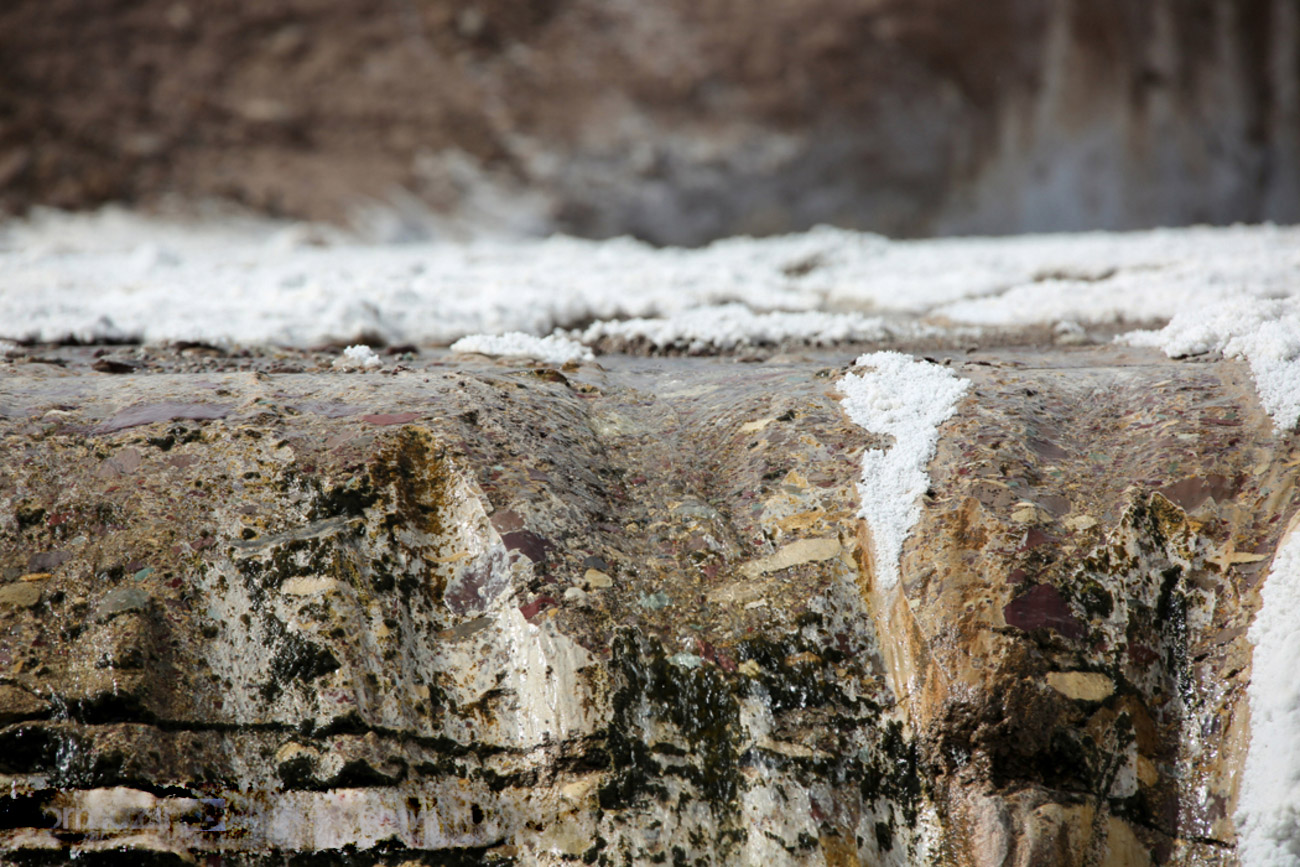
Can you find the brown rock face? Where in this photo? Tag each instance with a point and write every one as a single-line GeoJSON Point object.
{"type": "Point", "coordinates": [474, 612]}
{"type": "Point", "coordinates": [1076, 613]}
{"type": "Point", "coordinates": [674, 121]}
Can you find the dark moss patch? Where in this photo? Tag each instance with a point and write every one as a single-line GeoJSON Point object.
{"type": "Point", "coordinates": [347, 500]}
{"type": "Point", "coordinates": [390, 853]}
{"type": "Point", "coordinates": [176, 435]}
{"type": "Point", "coordinates": [884, 836]}
{"type": "Point", "coordinates": [67, 758]}
{"type": "Point", "coordinates": [358, 774]}
{"type": "Point", "coordinates": [124, 857]}
{"type": "Point", "coordinates": [792, 686]}
{"type": "Point", "coordinates": [298, 773]}
{"type": "Point", "coordinates": [106, 708]}
{"type": "Point", "coordinates": [297, 660]}
{"type": "Point", "coordinates": [892, 771]}
{"type": "Point", "coordinates": [29, 516]}
{"type": "Point", "coordinates": [1092, 596]}
{"type": "Point", "coordinates": [697, 701]}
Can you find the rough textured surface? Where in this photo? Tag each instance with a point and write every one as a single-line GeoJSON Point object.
{"type": "Point", "coordinates": [674, 120]}
{"type": "Point", "coordinates": [475, 612]}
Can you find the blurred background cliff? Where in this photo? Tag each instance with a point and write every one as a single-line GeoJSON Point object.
{"type": "Point", "coordinates": [676, 121]}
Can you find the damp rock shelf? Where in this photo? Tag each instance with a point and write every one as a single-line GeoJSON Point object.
{"type": "Point", "coordinates": [625, 612]}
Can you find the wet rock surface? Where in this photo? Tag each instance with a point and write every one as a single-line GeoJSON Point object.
{"type": "Point", "coordinates": [473, 611]}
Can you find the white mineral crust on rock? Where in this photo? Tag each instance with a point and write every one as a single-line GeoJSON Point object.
{"type": "Point", "coordinates": [554, 349]}
{"type": "Point", "coordinates": [1268, 815]}
{"type": "Point", "coordinates": [1266, 333]}
{"type": "Point", "coordinates": [906, 399]}
{"type": "Point", "coordinates": [357, 357]}
{"type": "Point", "coordinates": [729, 326]}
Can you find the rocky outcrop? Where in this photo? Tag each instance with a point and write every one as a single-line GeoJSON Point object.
{"type": "Point", "coordinates": [674, 121]}
{"type": "Point", "coordinates": [464, 611]}
{"type": "Point", "coordinates": [1074, 620]}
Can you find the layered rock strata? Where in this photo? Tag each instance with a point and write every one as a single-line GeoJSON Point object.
{"type": "Point", "coordinates": [464, 611]}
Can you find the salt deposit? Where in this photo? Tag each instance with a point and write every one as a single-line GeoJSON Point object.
{"type": "Point", "coordinates": [1266, 333]}
{"type": "Point", "coordinates": [554, 348]}
{"type": "Point", "coordinates": [906, 399]}
{"type": "Point", "coordinates": [1268, 814]}
{"type": "Point", "coordinates": [116, 276]}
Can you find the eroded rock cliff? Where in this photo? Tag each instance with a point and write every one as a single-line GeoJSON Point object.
{"type": "Point", "coordinates": [477, 612]}
{"type": "Point", "coordinates": [676, 121]}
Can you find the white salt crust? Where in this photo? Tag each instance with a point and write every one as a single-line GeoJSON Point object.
{"type": "Point", "coordinates": [1268, 812]}
{"type": "Point", "coordinates": [553, 349]}
{"type": "Point", "coordinates": [906, 399]}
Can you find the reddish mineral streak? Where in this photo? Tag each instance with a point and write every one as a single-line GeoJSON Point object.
{"type": "Point", "coordinates": [538, 605]}
{"type": "Point", "coordinates": [531, 545]}
{"type": "Point", "coordinates": [391, 418]}
{"type": "Point", "coordinates": [169, 411]}
{"type": "Point", "coordinates": [328, 409]}
{"type": "Point", "coordinates": [1042, 607]}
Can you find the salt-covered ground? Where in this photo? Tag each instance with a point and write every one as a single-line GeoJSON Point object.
{"type": "Point", "coordinates": [116, 276]}
{"type": "Point", "coordinates": [119, 276]}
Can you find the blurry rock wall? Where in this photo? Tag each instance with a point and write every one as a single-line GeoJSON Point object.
{"type": "Point", "coordinates": [672, 120]}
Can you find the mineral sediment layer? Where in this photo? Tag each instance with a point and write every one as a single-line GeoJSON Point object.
{"type": "Point", "coordinates": [258, 610]}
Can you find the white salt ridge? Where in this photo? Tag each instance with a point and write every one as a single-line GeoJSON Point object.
{"type": "Point", "coordinates": [729, 326]}
{"type": "Point", "coordinates": [1106, 278]}
{"type": "Point", "coordinates": [115, 275]}
{"type": "Point", "coordinates": [907, 400]}
{"type": "Point", "coordinates": [1268, 812]}
{"type": "Point", "coordinates": [357, 357]}
{"type": "Point", "coordinates": [1264, 332]}
{"type": "Point", "coordinates": [554, 349]}
{"type": "Point", "coordinates": [241, 289]}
